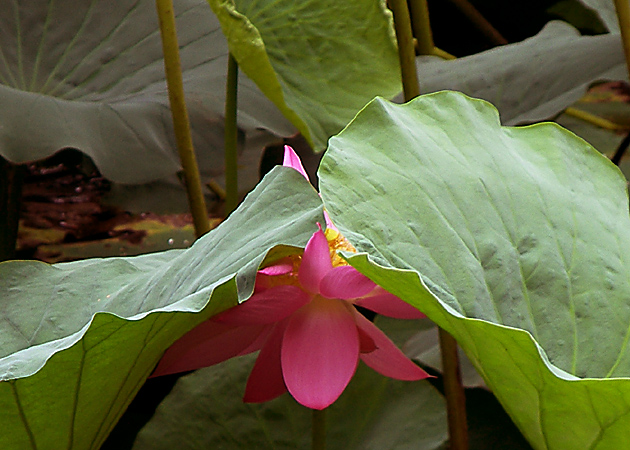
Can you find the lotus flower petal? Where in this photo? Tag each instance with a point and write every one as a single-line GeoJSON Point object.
{"type": "Point", "coordinates": [329, 223]}
{"type": "Point", "coordinates": [345, 282]}
{"type": "Point", "coordinates": [277, 269]}
{"type": "Point", "coordinates": [264, 282]}
{"type": "Point", "coordinates": [366, 343]}
{"type": "Point", "coordinates": [291, 159]}
{"type": "Point", "coordinates": [208, 344]}
{"type": "Point", "coordinates": [265, 382]}
{"type": "Point", "coordinates": [259, 342]}
{"type": "Point", "coordinates": [316, 262]}
{"type": "Point", "coordinates": [387, 359]}
{"type": "Point", "coordinates": [382, 302]}
{"type": "Point", "coordinates": [320, 352]}
{"type": "Point", "coordinates": [268, 306]}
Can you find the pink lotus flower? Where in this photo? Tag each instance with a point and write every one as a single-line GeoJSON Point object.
{"type": "Point", "coordinates": [302, 318]}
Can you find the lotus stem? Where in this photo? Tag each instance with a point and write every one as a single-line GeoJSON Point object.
{"type": "Point", "coordinates": [454, 392]}
{"type": "Point", "coordinates": [593, 119]}
{"type": "Point", "coordinates": [621, 150]}
{"type": "Point", "coordinates": [11, 177]}
{"type": "Point", "coordinates": [231, 137]}
{"type": "Point", "coordinates": [442, 54]}
{"type": "Point", "coordinates": [421, 26]}
{"type": "Point", "coordinates": [623, 16]}
{"type": "Point", "coordinates": [480, 22]}
{"type": "Point", "coordinates": [406, 50]}
{"type": "Point", "coordinates": [319, 429]}
{"type": "Point", "coordinates": [181, 124]}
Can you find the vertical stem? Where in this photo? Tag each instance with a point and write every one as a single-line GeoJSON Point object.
{"type": "Point", "coordinates": [480, 22]}
{"type": "Point", "coordinates": [421, 26]}
{"type": "Point", "coordinates": [181, 125]}
{"type": "Point", "coordinates": [319, 429]}
{"type": "Point", "coordinates": [406, 49]}
{"type": "Point", "coordinates": [621, 150]}
{"type": "Point", "coordinates": [231, 137]}
{"type": "Point", "coordinates": [11, 177]}
{"type": "Point", "coordinates": [623, 16]}
{"type": "Point", "coordinates": [454, 392]}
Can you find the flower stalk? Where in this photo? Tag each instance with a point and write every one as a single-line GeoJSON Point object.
{"type": "Point", "coordinates": [480, 22]}
{"type": "Point", "coordinates": [454, 392]}
{"type": "Point", "coordinates": [319, 429]}
{"type": "Point", "coordinates": [231, 136]}
{"type": "Point", "coordinates": [623, 17]}
{"type": "Point", "coordinates": [181, 124]}
{"type": "Point", "coordinates": [421, 26]}
{"type": "Point", "coordinates": [406, 48]}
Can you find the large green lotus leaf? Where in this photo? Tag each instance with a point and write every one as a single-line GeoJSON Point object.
{"type": "Point", "coordinates": [534, 79]}
{"type": "Point", "coordinates": [512, 239]}
{"type": "Point", "coordinates": [205, 411]}
{"type": "Point", "coordinates": [77, 340]}
{"type": "Point", "coordinates": [90, 76]}
{"type": "Point", "coordinates": [319, 61]}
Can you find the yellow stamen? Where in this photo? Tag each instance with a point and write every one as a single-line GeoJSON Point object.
{"type": "Point", "coordinates": [337, 242]}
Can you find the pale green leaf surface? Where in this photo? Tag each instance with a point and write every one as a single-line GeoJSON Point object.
{"type": "Point", "coordinates": [205, 410]}
{"type": "Point", "coordinates": [77, 340]}
{"type": "Point", "coordinates": [319, 61]}
{"type": "Point", "coordinates": [512, 239]}
{"type": "Point", "coordinates": [90, 76]}
{"type": "Point", "coordinates": [531, 80]}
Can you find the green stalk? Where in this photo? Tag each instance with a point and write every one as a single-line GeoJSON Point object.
{"type": "Point", "coordinates": [454, 392]}
{"type": "Point", "coordinates": [231, 137]}
{"type": "Point", "coordinates": [480, 22]}
{"type": "Point", "coordinates": [319, 429]}
{"type": "Point", "coordinates": [406, 49]}
{"type": "Point", "coordinates": [181, 124]}
{"type": "Point", "coordinates": [623, 16]}
{"type": "Point", "coordinates": [421, 26]}
{"type": "Point", "coordinates": [11, 177]}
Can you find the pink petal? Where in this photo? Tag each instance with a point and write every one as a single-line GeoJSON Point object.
{"type": "Point", "coordinates": [266, 307]}
{"type": "Point", "coordinates": [263, 282]}
{"type": "Point", "coordinates": [277, 269]}
{"type": "Point", "coordinates": [387, 359]}
{"type": "Point", "coordinates": [366, 343]}
{"type": "Point", "coordinates": [320, 352]}
{"type": "Point", "coordinates": [208, 344]}
{"type": "Point", "coordinates": [265, 382]}
{"type": "Point", "coordinates": [259, 342]}
{"type": "Point", "coordinates": [316, 262]}
{"type": "Point", "coordinates": [329, 223]}
{"type": "Point", "coordinates": [291, 159]}
{"type": "Point", "coordinates": [345, 282]}
{"type": "Point", "coordinates": [265, 278]}
{"type": "Point", "coordinates": [382, 302]}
